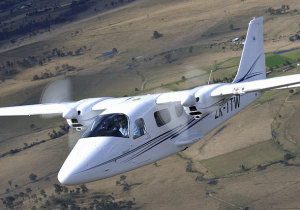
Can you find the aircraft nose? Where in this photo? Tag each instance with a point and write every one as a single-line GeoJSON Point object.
{"type": "Point", "coordinates": [66, 178]}
{"type": "Point", "coordinates": [83, 154]}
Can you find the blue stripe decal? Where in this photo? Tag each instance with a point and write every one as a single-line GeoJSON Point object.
{"type": "Point", "coordinates": [249, 74]}
{"type": "Point", "coordinates": [196, 121]}
{"type": "Point", "coordinates": [158, 142]}
{"type": "Point", "coordinates": [153, 142]}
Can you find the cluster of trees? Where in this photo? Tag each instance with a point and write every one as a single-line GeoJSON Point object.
{"type": "Point", "coordinates": [16, 200]}
{"type": "Point", "coordinates": [224, 80]}
{"type": "Point", "coordinates": [47, 74]}
{"type": "Point", "coordinates": [56, 134]}
{"type": "Point", "coordinates": [56, 52]}
{"type": "Point", "coordinates": [295, 37]}
{"type": "Point", "coordinates": [10, 68]}
{"type": "Point", "coordinates": [65, 198]}
{"type": "Point", "coordinates": [53, 135]}
{"type": "Point", "coordinates": [283, 10]}
{"type": "Point", "coordinates": [63, 189]}
{"type": "Point", "coordinates": [65, 67]}
{"type": "Point", "coordinates": [54, 201]}
{"type": "Point", "coordinates": [7, 4]}
{"type": "Point", "coordinates": [32, 25]}
{"type": "Point", "coordinates": [43, 19]}
{"type": "Point", "coordinates": [44, 75]}
{"type": "Point", "coordinates": [26, 146]}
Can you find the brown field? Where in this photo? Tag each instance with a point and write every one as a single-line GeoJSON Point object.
{"type": "Point", "coordinates": [174, 182]}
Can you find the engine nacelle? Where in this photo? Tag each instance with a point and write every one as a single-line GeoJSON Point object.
{"type": "Point", "coordinates": [202, 103]}
{"type": "Point", "coordinates": [82, 115]}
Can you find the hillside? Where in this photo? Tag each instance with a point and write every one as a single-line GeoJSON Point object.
{"type": "Point", "coordinates": [115, 52]}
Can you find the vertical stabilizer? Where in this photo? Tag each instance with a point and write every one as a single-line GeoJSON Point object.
{"type": "Point", "coordinates": [252, 64]}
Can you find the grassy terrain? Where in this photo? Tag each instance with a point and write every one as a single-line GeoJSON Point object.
{"type": "Point", "coordinates": [278, 64]}
{"type": "Point", "coordinates": [248, 158]}
{"type": "Point", "coordinates": [277, 60]}
{"type": "Point", "coordinates": [194, 41]}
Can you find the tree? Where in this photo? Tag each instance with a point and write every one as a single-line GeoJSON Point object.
{"type": "Point", "coordinates": [58, 188]}
{"type": "Point", "coordinates": [35, 77]}
{"type": "Point", "coordinates": [9, 182]}
{"type": "Point", "coordinates": [28, 190]}
{"type": "Point", "coordinates": [157, 35]}
{"type": "Point", "coordinates": [283, 7]}
{"type": "Point", "coordinates": [77, 190]}
{"type": "Point", "coordinates": [288, 156]}
{"type": "Point", "coordinates": [43, 193]}
{"type": "Point", "coordinates": [115, 50]}
{"type": "Point", "coordinates": [33, 177]}
{"type": "Point", "coordinates": [22, 194]}
{"type": "Point", "coordinates": [9, 201]}
{"type": "Point", "coordinates": [84, 189]}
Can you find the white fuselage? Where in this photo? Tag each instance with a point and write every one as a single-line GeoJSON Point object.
{"type": "Point", "coordinates": [95, 158]}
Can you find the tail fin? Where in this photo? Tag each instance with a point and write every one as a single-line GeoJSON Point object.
{"type": "Point", "coordinates": [252, 64]}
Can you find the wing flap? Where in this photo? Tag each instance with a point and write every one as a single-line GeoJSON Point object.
{"type": "Point", "coordinates": [282, 82]}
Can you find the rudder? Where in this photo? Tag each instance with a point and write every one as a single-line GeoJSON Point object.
{"type": "Point", "coordinates": [252, 64]}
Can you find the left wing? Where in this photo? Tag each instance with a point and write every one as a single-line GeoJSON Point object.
{"type": "Point", "coordinates": [282, 82]}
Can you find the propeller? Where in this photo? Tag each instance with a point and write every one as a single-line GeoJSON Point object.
{"type": "Point", "coordinates": [57, 91]}
{"type": "Point", "coordinates": [60, 91]}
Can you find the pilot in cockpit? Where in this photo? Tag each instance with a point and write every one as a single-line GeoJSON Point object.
{"type": "Point", "coordinates": [123, 125]}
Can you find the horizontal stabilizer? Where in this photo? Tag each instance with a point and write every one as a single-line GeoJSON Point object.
{"type": "Point", "coordinates": [282, 82]}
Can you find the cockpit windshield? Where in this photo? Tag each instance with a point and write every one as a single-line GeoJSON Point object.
{"type": "Point", "coordinates": [108, 125]}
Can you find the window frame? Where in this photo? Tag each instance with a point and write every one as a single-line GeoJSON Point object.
{"type": "Point", "coordinates": [159, 118]}
{"type": "Point", "coordinates": [144, 127]}
{"type": "Point", "coordinates": [91, 131]}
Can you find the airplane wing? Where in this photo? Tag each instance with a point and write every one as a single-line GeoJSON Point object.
{"type": "Point", "coordinates": [290, 81]}
{"type": "Point", "coordinates": [67, 109]}
{"type": "Point", "coordinates": [37, 109]}
{"type": "Point", "coordinates": [172, 97]}
{"type": "Point", "coordinates": [109, 102]}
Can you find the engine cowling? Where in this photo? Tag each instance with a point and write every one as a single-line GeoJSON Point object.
{"type": "Point", "coordinates": [82, 114]}
{"type": "Point", "coordinates": [202, 103]}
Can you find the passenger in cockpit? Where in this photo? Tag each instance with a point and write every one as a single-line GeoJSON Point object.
{"type": "Point", "coordinates": [123, 126]}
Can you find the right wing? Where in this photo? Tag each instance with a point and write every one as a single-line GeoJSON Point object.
{"type": "Point", "coordinates": [68, 110]}
{"type": "Point", "coordinates": [282, 82]}
{"type": "Point", "coordinates": [37, 109]}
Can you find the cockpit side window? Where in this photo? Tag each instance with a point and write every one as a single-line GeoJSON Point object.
{"type": "Point", "coordinates": [139, 128]}
{"type": "Point", "coordinates": [179, 110]}
{"type": "Point", "coordinates": [162, 117]}
{"type": "Point", "coordinates": [108, 125]}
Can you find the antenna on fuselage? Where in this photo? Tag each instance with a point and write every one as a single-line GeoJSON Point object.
{"type": "Point", "coordinates": [209, 77]}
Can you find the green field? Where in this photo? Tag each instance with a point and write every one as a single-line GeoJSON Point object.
{"type": "Point", "coordinates": [277, 60]}
{"type": "Point", "coordinates": [278, 63]}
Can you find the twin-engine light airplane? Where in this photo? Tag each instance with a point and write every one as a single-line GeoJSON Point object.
{"type": "Point", "coordinates": [126, 133]}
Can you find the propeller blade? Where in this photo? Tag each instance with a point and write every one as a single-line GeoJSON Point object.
{"type": "Point", "coordinates": [57, 91]}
